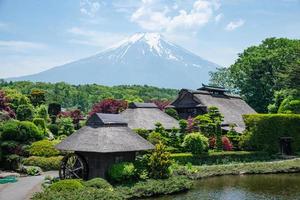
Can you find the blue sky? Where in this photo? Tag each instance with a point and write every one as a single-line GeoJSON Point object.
{"type": "Point", "coordinates": [37, 35]}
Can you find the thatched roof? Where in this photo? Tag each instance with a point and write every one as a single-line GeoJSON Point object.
{"type": "Point", "coordinates": [146, 115]}
{"type": "Point", "coordinates": [231, 106]}
{"type": "Point", "coordinates": [105, 133]}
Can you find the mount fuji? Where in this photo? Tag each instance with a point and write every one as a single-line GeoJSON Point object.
{"type": "Point", "coordinates": [142, 59]}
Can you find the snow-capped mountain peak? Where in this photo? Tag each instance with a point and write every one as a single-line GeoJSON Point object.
{"type": "Point", "coordinates": [143, 58]}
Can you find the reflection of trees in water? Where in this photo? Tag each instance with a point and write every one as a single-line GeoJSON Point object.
{"type": "Point", "coordinates": [277, 184]}
{"type": "Point", "coordinates": [247, 187]}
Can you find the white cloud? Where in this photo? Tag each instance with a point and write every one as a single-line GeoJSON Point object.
{"type": "Point", "coordinates": [20, 46]}
{"type": "Point", "coordinates": [154, 16]}
{"type": "Point", "coordinates": [234, 24]}
{"type": "Point", "coordinates": [94, 38]}
{"type": "Point", "coordinates": [89, 7]}
{"type": "Point", "coordinates": [218, 17]}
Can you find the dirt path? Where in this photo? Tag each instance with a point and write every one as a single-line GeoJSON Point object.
{"type": "Point", "coordinates": [24, 188]}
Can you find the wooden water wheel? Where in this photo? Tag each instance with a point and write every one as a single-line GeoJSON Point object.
{"type": "Point", "coordinates": [73, 166]}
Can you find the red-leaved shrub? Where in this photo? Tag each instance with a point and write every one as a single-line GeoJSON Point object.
{"type": "Point", "coordinates": [227, 146]}
{"type": "Point", "coordinates": [112, 106]}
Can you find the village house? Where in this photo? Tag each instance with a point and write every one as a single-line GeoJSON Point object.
{"type": "Point", "coordinates": [191, 103]}
{"type": "Point", "coordinates": [103, 142]}
{"type": "Point", "coordinates": [146, 115]}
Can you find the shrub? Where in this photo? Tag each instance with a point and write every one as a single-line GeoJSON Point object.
{"type": "Point", "coordinates": [32, 170]}
{"type": "Point", "coordinates": [266, 129]}
{"type": "Point", "coordinates": [223, 157]}
{"type": "Point", "coordinates": [20, 131]}
{"type": "Point", "coordinates": [155, 137]}
{"type": "Point", "coordinates": [78, 194]}
{"type": "Point", "coordinates": [41, 112]}
{"type": "Point", "coordinates": [141, 165]}
{"type": "Point", "coordinates": [98, 183]}
{"type": "Point", "coordinates": [65, 126]}
{"type": "Point", "coordinates": [122, 172]}
{"type": "Point", "coordinates": [227, 146]}
{"type": "Point", "coordinates": [53, 129]}
{"type": "Point", "coordinates": [10, 130]}
{"type": "Point", "coordinates": [245, 142]}
{"type": "Point", "coordinates": [13, 147]}
{"type": "Point", "coordinates": [50, 163]}
{"type": "Point", "coordinates": [68, 184]}
{"type": "Point", "coordinates": [25, 112]}
{"type": "Point", "coordinates": [29, 131]}
{"type": "Point", "coordinates": [159, 162]}
{"type": "Point", "coordinates": [212, 142]}
{"type": "Point", "coordinates": [195, 143]}
{"type": "Point", "coordinates": [142, 132]}
{"type": "Point", "coordinates": [172, 112]}
{"type": "Point", "coordinates": [234, 137]}
{"type": "Point", "coordinates": [44, 148]}
{"type": "Point", "coordinates": [54, 109]}
{"type": "Point", "coordinates": [41, 124]}
{"type": "Point", "coordinates": [157, 187]}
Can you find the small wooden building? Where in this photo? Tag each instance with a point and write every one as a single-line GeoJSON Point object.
{"type": "Point", "coordinates": [104, 141]}
{"type": "Point", "coordinates": [196, 102]}
{"type": "Point", "coordinates": [146, 115]}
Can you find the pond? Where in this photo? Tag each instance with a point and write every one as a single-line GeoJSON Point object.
{"type": "Point", "coordinates": [247, 187]}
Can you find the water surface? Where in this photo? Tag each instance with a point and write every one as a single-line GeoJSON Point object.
{"type": "Point", "coordinates": [247, 187]}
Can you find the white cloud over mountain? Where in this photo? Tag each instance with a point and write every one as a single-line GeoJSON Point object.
{"type": "Point", "coordinates": [154, 16]}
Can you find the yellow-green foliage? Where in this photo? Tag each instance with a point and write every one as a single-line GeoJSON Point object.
{"type": "Point", "coordinates": [44, 148]}
{"type": "Point", "coordinates": [50, 163]}
{"type": "Point", "coordinates": [266, 129]}
{"type": "Point", "coordinates": [66, 185]}
{"type": "Point", "coordinates": [159, 162]}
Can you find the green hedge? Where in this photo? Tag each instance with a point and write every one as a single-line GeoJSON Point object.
{"type": "Point", "coordinates": [266, 129]}
{"type": "Point", "coordinates": [50, 163]}
{"type": "Point", "coordinates": [222, 157]}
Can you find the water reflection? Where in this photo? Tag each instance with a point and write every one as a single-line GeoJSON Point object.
{"type": "Point", "coordinates": [247, 187]}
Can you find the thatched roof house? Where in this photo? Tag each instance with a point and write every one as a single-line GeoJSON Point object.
{"type": "Point", "coordinates": [146, 115]}
{"type": "Point", "coordinates": [196, 102]}
{"type": "Point", "coordinates": [105, 140]}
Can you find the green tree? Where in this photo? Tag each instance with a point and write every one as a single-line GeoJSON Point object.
{"type": "Point", "coordinates": [256, 72]}
{"type": "Point", "coordinates": [221, 78]}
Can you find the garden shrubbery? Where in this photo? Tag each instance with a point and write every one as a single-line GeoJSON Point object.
{"type": "Point", "coordinates": [265, 131]}
{"type": "Point", "coordinates": [98, 183]}
{"type": "Point", "coordinates": [75, 189]}
{"type": "Point", "coordinates": [23, 131]}
{"type": "Point", "coordinates": [44, 148]}
{"type": "Point", "coordinates": [152, 187]}
{"type": "Point", "coordinates": [221, 157]}
{"type": "Point", "coordinates": [122, 172]}
{"type": "Point", "coordinates": [195, 143]}
{"type": "Point", "coordinates": [50, 163]}
{"type": "Point", "coordinates": [68, 184]}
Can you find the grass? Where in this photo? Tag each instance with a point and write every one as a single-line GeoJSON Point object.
{"type": "Point", "coordinates": [197, 172]}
